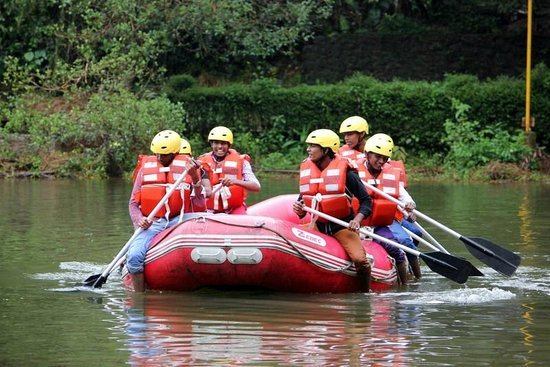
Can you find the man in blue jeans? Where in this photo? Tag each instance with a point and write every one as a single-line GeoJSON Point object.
{"type": "Point", "coordinates": [378, 150]}
{"type": "Point", "coordinates": [154, 179]}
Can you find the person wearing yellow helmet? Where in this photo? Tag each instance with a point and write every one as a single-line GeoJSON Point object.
{"type": "Point", "coordinates": [374, 170]}
{"type": "Point", "coordinates": [333, 179]}
{"type": "Point", "coordinates": [230, 173]}
{"type": "Point", "coordinates": [355, 130]}
{"type": "Point", "coordinates": [152, 182]}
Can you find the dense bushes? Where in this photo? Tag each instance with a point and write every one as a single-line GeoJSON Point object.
{"type": "Point", "coordinates": [413, 113]}
{"type": "Point", "coordinates": [101, 134]}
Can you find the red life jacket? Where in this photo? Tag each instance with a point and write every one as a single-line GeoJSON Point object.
{"type": "Point", "coordinates": [330, 183]}
{"type": "Point", "coordinates": [156, 181]}
{"type": "Point", "coordinates": [232, 167]}
{"type": "Point", "coordinates": [346, 152]}
{"type": "Point", "coordinates": [383, 210]}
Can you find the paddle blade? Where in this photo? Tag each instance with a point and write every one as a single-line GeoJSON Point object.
{"type": "Point", "coordinates": [504, 261]}
{"type": "Point", "coordinates": [95, 281]}
{"type": "Point", "coordinates": [475, 272]}
{"type": "Point", "coordinates": [452, 267]}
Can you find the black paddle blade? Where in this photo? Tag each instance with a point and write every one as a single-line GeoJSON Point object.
{"type": "Point", "coordinates": [475, 272]}
{"type": "Point", "coordinates": [452, 267]}
{"type": "Point", "coordinates": [95, 281]}
{"type": "Point", "coordinates": [504, 261]}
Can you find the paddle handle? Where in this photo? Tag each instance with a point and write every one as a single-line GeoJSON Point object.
{"type": "Point", "coordinates": [120, 254]}
{"type": "Point", "coordinates": [419, 214]}
{"type": "Point", "coordinates": [362, 230]}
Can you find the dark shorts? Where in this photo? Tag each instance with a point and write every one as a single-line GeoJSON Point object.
{"type": "Point", "coordinates": [394, 252]}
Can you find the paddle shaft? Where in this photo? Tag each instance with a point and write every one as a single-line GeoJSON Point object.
{"type": "Point", "coordinates": [420, 239]}
{"type": "Point", "coordinates": [419, 214]}
{"type": "Point", "coordinates": [447, 265]}
{"type": "Point", "coordinates": [150, 218]}
{"type": "Point", "coordinates": [500, 259]}
{"type": "Point", "coordinates": [362, 230]}
{"type": "Point", "coordinates": [430, 237]}
{"type": "Point", "coordinates": [430, 245]}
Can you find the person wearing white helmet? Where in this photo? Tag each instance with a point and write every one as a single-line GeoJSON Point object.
{"type": "Point", "coordinates": [336, 181]}
{"type": "Point", "coordinates": [230, 173]}
{"type": "Point", "coordinates": [151, 183]}
{"type": "Point", "coordinates": [374, 170]}
{"type": "Point", "coordinates": [355, 130]}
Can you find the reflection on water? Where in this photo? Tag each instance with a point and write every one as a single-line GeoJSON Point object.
{"type": "Point", "coordinates": [57, 233]}
{"type": "Point", "coordinates": [211, 328]}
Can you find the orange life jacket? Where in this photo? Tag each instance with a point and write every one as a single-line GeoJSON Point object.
{"type": "Point", "coordinates": [330, 183]}
{"type": "Point", "coordinates": [138, 166]}
{"type": "Point", "coordinates": [232, 167]}
{"type": "Point", "coordinates": [400, 165]}
{"type": "Point", "coordinates": [383, 210]}
{"type": "Point", "coordinates": [156, 181]}
{"type": "Point", "coordinates": [346, 152]}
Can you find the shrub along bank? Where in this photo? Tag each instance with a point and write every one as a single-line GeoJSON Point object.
{"type": "Point", "coordinates": [461, 120]}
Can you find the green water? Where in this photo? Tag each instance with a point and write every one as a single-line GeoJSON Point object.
{"type": "Point", "coordinates": [56, 233]}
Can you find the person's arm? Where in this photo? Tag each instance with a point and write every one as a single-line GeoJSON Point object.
{"type": "Point", "coordinates": [138, 219]}
{"type": "Point", "coordinates": [201, 192]}
{"type": "Point", "coordinates": [406, 198]}
{"type": "Point", "coordinates": [357, 189]}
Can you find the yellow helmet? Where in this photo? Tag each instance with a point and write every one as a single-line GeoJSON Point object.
{"type": "Point", "coordinates": [185, 147]}
{"type": "Point", "coordinates": [166, 142]}
{"type": "Point", "coordinates": [221, 133]}
{"type": "Point", "coordinates": [354, 123]}
{"type": "Point", "coordinates": [381, 144]}
{"type": "Point", "coordinates": [325, 138]}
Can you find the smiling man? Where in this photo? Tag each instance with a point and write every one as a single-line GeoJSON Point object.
{"type": "Point", "coordinates": [376, 171]}
{"type": "Point", "coordinates": [230, 174]}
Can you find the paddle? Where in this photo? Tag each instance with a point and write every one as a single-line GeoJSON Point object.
{"type": "Point", "coordinates": [502, 260]}
{"type": "Point", "coordinates": [449, 266]}
{"type": "Point", "coordinates": [97, 280]}
{"type": "Point", "coordinates": [475, 271]}
{"type": "Point", "coordinates": [430, 237]}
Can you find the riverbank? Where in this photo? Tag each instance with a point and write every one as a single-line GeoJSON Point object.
{"type": "Point", "coordinates": [20, 161]}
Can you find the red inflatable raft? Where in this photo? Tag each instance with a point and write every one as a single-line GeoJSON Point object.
{"type": "Point", "coordinates": [267, 248]}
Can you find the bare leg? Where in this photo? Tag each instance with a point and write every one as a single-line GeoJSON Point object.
{"type": "Point", "coordinates": [415, 267]}
{"type": "Point", "coordinates": [403, 272]}
{"type": "Point", "coordinates": [138, 280]}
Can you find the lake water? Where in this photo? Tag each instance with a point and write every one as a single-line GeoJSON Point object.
{"type": "Point", "coordinates": [57, 233]}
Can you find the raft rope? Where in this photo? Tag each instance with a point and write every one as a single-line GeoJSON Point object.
{"type": "Point", "coordinates": [350, 266]}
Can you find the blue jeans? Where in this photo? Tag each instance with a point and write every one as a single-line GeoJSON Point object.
{"type": "Point", "coordinates": [400, 235]}
{"type": "Point", "coordinates": [135, 258]}
{"type": "Point", "coordinates": [403, 238]}
{"type": "Point", "coordinates": [413, 228]}
{"type": "Point", "coordinates": [396, 253]}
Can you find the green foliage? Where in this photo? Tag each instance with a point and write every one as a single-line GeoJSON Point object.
{"type": "Point", "coordinates": [178, 83]}
{"type": "Point", "coordinates": [413, 113]}
{"type": "Point", "coordinates": [472, 145]}
{"type": "Point", "coordinates": [103, 135]}
{"type": "Point", "coordinates": [109, 45]}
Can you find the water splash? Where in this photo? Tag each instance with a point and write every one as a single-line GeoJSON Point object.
{"type": "Point", "coordinates": [461, 296]}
